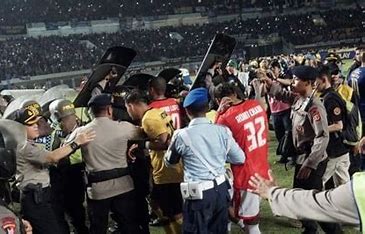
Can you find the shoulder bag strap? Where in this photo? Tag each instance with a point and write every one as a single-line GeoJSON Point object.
{"type": "Point", "coordinates": [187, 142]}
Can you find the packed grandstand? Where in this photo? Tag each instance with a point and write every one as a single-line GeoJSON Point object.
{"type": "Point", "coordinates": [24, 55]}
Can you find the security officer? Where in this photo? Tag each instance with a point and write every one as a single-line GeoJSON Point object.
{"type": "Point", "coordinates": [338, 154]}
{"type": "Point", "coordinates": [68, 188]}
{"type": "Point", "coordinates": [109, 187]}
{"type": "Point", "coordinates": [12, 136]}
{"type": "Point", "coordinates": [310, 133]}
{"type": "Point", "coordinates": [204, 148]}
{"type": "Point", "coordinates": [33, 174]}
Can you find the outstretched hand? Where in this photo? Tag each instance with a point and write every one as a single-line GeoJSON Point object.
{"type": "Point", "coordinates": [84, 137]}
{"type": "Point", "coordinates": [27, 227]}
{"type": "Point", "coordinates": [131, 152]}
{"type": "Point", "coordinates": [261, 186]}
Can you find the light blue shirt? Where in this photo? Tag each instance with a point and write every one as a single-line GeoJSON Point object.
{"type": "Point", "coordinates": [213, 142]}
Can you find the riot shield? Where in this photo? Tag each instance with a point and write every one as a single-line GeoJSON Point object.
{"type": "Point", "coordinates": [114, 62]}
{"type": "Point", "coordinates": [219, 52]}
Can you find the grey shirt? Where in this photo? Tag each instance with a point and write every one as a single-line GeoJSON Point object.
{"type": "Point", "coordinates": [337, 205]}
{"type": "Point", "coordinates": [108, 151]}
{"type": "Point", "coordinates": [32, 165]}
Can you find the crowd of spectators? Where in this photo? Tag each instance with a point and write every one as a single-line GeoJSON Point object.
{"type": "Point", "coordinates": [30, 56]}
{"type": "Point", "coordinates": [20, 12]}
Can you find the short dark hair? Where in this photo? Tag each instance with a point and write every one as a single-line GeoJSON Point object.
{"type": "Point", "coordinates": [135, 96]}
{"type": "Point", "coordinates": [158, 84]}
{"type": "Point", "coordinates": [196, 110]}
{"type": "Point", "coordinates": [98, 110]}
{"type": "Point", "coordinates": [324, 70]}
{"type": "Point", "coordinates": [224, 90]}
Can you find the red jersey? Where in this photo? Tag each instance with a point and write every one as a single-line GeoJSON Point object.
{"type": "Point", "coordinates": [171, 107]}
{"type": "Point", "coordinates": [249, 125]}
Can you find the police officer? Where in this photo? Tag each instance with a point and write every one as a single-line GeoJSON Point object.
{"type": "Point", "coordinates": [33, 175]}
{"type": "Point", "coordinates": [310, 133]}
{"type": "Point", "coordinates": [110, 187]}
{"type": "Point", "coordinates": [346, 203]}
{"type": "Point", "coordinates": [339, 160]}
{"type": "Point", "coordinates": [68, 187]}
{"type": "Point", "coordinates": [12, 136]}
{"type": "Point", "coordinates": [204, 148]}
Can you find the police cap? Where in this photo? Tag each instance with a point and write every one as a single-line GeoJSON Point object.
{"type": "Point", "coordinates": [196, 97]}
{"type": "Point", "coordinates": [305, 73]}
{"type": "Point", "coordinates": [28, 115]}
{"type": "Point", "coordinates": [100, 100]}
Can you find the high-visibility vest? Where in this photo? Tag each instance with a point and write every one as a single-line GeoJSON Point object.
{"type": "Point", "coordinates": [358, 187]}
{"type": "Point", "coordinates": [74, 158]}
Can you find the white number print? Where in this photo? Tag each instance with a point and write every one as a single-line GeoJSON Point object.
{"type": "Point", "coordinates": [175, 120]}
{"type": "Point", "coordinates": [256, 138]}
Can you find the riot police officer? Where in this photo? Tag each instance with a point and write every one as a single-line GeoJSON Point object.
{"type": "Point", "coordinates": [68, 188]}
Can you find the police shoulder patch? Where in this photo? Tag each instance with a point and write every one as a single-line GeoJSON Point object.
{"type": "Point", "coordinates": [8, 225]}
{"type": "Point", "coordinates": [314, 113]}
{"type": "Point", "coordinates": [337, 111]}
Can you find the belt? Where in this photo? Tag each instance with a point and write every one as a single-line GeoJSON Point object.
{"type": "Point", "coordinates": [95, 177]}
{"type": "Point", "coordinates": [210, 184]}
{"type": "Point", "coordinates": [33, 187]}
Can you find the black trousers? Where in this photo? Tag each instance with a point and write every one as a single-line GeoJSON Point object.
{"type": "Point", "coordinates": [124, 208]}
{"type": "Point", "coordinates": [314, 181]}
{"type": "Point", "coordinates": [209, 215]}
{"type": "Point", "coordinates": [140, 173]}
{"type": "Point", "coordinates": [40, 214]}
{"type": "Point", "coordinates": [68, 196]}
{"type": "Point", "coordinates": [282, 123]}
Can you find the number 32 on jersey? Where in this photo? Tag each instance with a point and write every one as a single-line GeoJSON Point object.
{"type": "Point", "coordinates": [255, 130]}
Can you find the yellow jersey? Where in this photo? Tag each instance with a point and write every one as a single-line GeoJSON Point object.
{"type": "Point", "coordinates": [154, 123]}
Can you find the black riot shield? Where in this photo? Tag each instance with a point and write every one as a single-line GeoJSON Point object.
{"type": "Point", "coordinates": [219, 52]}
{"type": "Point", "coordinates": [174, 81]}
{"type": "Point", "coordinates": [114, 62]}
{"type": "Point", "coordinates": [138, 81]}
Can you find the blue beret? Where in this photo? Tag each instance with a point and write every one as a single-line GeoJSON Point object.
{"type": "Point", "coordinates": [196, 97]}
{"type": "Point", "coordinates": [305, 73]}
{"type": "Point", "coordinates": [100, 100]}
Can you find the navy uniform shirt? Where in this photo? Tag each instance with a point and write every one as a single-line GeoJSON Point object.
{"type": "Point", "coordinates": [335, 109]}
